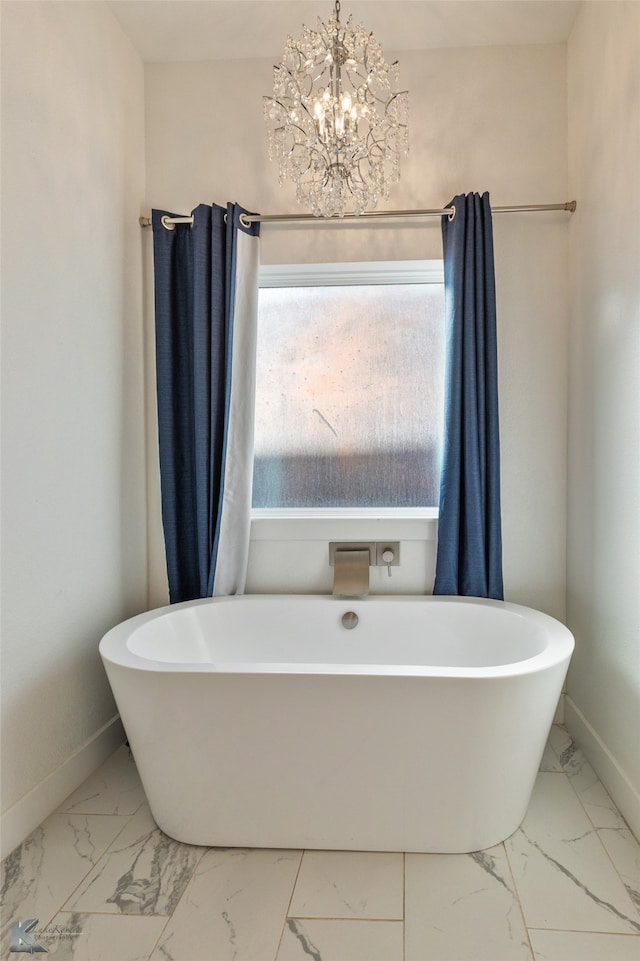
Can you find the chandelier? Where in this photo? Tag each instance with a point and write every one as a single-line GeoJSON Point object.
{"type": "Point", "coordinates": [337, 122]}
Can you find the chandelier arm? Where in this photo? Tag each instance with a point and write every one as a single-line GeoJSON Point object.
{"type": "Point", "coordinates": [394, 96]}
{"type": "Point", "coordinates": [351, 177]}
{"type": "Point", "coordinates": [295, 80]}
{"type": "Point", "coordinates": [374, 142]}
{"type": "Point", "coordinates": [365, 56]}
{"type": "Point", "coordinates": [385, 103]}
{"type": "Point", "coordinates": [314, 150]}
{"type": "Point", "coordinates": [356, 79]}
{"type": "Point", "coordinates": [287, 110]}
{"type": "Point", "coordinates": [309, 115]}
{"type": "Point", "coordinates": [310, 163]}
{"type": "Point", "coordinates": [318, 76]}
{"type": "Point", "coordinates": [292, 77]}
{"type": "Point", "coordinates": [294, 48]}
{"type": "Point", "coordinates": [316, 146]}
{"type": "Point", "coordinates": [296, 126]}
{"type": "Point", "coordinates": [274, 99]}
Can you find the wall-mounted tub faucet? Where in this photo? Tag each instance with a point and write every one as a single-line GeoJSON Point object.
{"type": "Point", "coordinates": [351, 573]}
{"type": "Point", "coordinates": [351, 562]}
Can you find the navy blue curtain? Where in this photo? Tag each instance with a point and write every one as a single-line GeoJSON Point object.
{"type": "Point", "coordinates": [195, 277]}
{"type": "Point", "coordinates": [469, 557]}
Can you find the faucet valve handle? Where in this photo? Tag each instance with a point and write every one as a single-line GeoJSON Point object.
{"type": "Point", "coordinates": [387, 557]}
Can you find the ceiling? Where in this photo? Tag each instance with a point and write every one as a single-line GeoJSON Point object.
{"type": "Point", "coordinates": [174, 30]}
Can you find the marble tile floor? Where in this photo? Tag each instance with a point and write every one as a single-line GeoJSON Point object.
{"type": "Point", "coordinates": [104, 884]}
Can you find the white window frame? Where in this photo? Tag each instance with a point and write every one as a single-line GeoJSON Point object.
{"type": "Point", "coordinates": [269, 523]}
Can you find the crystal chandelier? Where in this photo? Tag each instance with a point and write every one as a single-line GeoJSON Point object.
{"type": "Point", "coordinates": [337, 122]}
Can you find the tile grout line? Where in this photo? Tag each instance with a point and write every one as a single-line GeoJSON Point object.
{"type": "Point", "coordinates": [101, 814]}
{"type": "Point", "coordinates": [329, 917]}
{"type": "Point", "coordinates": [164, 928]}
{"type": "Point", "coordinates": [177, 904]}
{"type": "Point", "coordinates": [288, 907]}
{"type": "Point", "coordinates": [609, 934]}
{"type": "Point", "coordinates": [516, 891]}
{"type": "Point", "coordinates": [112, 914]}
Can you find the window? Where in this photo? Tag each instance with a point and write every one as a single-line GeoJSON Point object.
{"type": "Point", "coordinates": [349, 390]}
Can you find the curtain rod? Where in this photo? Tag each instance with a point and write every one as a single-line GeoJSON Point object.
{"type": "Point", "coordinates": [248, 219]}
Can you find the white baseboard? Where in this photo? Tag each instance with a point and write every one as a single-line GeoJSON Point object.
{"type": "Point", "coordinates": [605, 765]}
{"type": "Point", "coordinates": [18, 821]}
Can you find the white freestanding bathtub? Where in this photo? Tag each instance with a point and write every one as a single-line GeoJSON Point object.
{"type": "Point", "coordinates": [262, 721]}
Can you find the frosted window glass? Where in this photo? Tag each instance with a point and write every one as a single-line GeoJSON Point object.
{"type": "Point", "coordinates": [349, 396]}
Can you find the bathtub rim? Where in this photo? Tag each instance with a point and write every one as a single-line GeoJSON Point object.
{"type": "Point", "coordinates": [114, 649]}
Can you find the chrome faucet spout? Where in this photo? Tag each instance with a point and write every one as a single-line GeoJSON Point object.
{"type": "Point", "coordinates": [351, 573]}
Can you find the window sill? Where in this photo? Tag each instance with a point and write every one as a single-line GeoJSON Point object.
{"type": "Point", "coordinates": [349, 523]}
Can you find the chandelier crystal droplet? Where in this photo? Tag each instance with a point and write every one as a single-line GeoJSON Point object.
{"type": "Point", "coordinates": [337, 122]}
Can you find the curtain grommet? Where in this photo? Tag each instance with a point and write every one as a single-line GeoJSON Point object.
{"type": "Point", "coordinates": [166, 223]}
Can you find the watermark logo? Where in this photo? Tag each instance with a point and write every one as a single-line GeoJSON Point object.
{"type": "Point", "coordinates": [26, 940]}
{"type": "Point", "coordinates": [22, 940]}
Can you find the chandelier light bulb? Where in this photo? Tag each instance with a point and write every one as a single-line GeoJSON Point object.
{"type": "Point", "coordinates": [336, 121]}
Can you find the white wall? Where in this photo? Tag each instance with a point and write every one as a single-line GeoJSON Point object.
{"type": "Point", "coordinates": [73, 538]}
{"type": "Point", "coordinates": [603, 709]}
{"type": "Point", "coordinates": [481, 119]}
